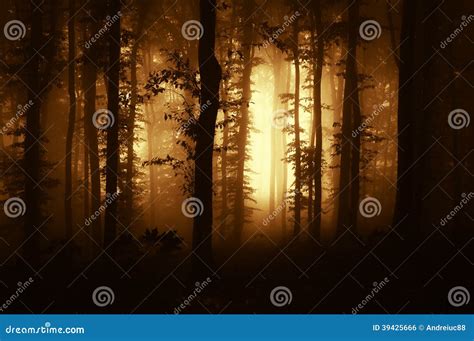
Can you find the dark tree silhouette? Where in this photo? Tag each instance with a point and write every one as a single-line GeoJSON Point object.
{"type": "Point", "coordinates": [210, 71]}
{"type": "Point", "coordinates": [113, 147]}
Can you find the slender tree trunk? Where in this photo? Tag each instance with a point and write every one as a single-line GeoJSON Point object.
{"type": "Point", "coordinates": [317, 116]}
{"type": "Point", "coordinates": [89, 85]}
{"type": "Point", "coordinates": [297, 226]}
{"type": "Point", "coordinates": [243, 127]}
{"type": "Point", "coordinates": [71, 118]}
{"type": "Point", "coordinates": [113, 147]}
{"type": "Point", "coordinates": [210, 72]}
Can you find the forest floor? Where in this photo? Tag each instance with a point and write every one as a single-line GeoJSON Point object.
{"type": "Point", "coordinates": [332, 279]}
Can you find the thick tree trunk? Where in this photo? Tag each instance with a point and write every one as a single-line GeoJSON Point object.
{"type": "Point", "coordinates": [32, 157]}
{"type": "Point", "coordinates": [349, 182]}
{"type": "Point", "coordinates": [71, 118]}
{"type": "Point", "coordinates": [113, 147]}
{"type": "Point", "coordinates": [407, 206]}
{"type": "Point", "coordinates": [210, 72]}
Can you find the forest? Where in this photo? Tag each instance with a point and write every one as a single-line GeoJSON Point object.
{"type": "Point", "coordinates": [236, 156]}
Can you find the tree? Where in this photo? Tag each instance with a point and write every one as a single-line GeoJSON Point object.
{"type": "Point", "coordinates": [113, 147]}
{"type": "Point", "coordinates": [210, 72]}
{"type": "Point", "coordinates": [71, 118]}
{"type": "Point", "coordinates": [296, 59]}
{"type": "Point", "coordinates": [349, 182]}
{"type": "Point", "coordinates": [318, 55]}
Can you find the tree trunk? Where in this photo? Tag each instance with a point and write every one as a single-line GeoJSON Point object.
{"type": "Point", "coordinates": [71, 118]}
{"type": "Point", "coordinates": [407, 206]}
{"type": "Point", "coordinates": [113, 147]}
{"type": "Point", "coordinates": [243, 127]}
{"type": "Point", "coordinates": [211, 73]}
{"type": "Point", "coordinates": [317, 116]}
{"type": "Point", "coordinates": [349, 182]}
{"type": "Point", "coordinates": [297, 226]}
{"type": "Point", "coordinates": [32, 151]}
{"type": "Point", "coordinates": [89, 85]}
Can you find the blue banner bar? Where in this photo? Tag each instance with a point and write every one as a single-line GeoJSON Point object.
{"type": "Point", "coordinates": [237, 327]}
